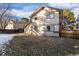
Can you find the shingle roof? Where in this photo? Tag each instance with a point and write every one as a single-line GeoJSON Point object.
{"type": "Point", "coordinates": [41, 8]}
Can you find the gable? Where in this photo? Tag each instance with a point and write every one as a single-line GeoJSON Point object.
{"type": "Point", "coordinates": [45, 11]}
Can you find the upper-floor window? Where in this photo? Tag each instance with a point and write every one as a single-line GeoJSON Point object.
{"type": "Point", "coordinates": [35, 18]}
{"type": "Point", "coordinates": [51, 15]}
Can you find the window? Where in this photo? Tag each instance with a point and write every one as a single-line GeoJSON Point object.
{"type": "Point", "coordinates": [48, 28]}
{"type": "Point", "coordinates": [35, 28]}
{"type": "Point", "coordinates": [35, 18]}
{"type": "Point", "coordinates": [51, 15]}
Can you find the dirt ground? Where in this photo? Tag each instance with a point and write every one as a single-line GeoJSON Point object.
{"type": "Point", "coordinates": [42, 46]}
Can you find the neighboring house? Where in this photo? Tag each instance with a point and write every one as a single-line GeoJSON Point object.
{"type": "Point", "coordinates": [3, 24]}
{"type": "Point", "coordinates": [10, 24]}
{"type": "Point", "coordinates": [46, 21]}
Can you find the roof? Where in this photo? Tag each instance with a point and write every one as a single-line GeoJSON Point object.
{"type": "Point", "coordinates": [41, 8]}
{"type": "Point", "coordinates": [55, 8]}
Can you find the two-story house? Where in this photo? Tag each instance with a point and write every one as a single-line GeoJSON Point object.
{"type": "Point", "coordinates": [45, 21]}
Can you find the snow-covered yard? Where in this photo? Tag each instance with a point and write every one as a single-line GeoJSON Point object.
{"type": "Point", "coordinates": [4, 39]}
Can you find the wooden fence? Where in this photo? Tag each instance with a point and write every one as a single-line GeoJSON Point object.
{"type": "Point", "coordinates": [70, 34]}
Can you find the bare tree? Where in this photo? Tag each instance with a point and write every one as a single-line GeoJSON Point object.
{"type": "Point", "coordinates": [4, 7]}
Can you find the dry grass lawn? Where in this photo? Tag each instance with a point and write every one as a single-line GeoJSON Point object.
{"type": "Point", "coordinates": [42, 46]}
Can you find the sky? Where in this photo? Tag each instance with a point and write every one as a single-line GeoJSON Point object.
{"type": "Point", "coordinates": [26, 9]}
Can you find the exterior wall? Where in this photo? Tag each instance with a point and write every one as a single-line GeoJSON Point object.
{"type": "Point", "coordinates": [10, 25]}
{"type": "Point", "coordinates": [42, 23]}
{"type": "Point", "coordinates": [51, 34]}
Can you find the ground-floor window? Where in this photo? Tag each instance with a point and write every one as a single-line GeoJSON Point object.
{"type": "Point", "coordinates": [48, 28]}
{"type": "Point", "coordinates": [35, 28]}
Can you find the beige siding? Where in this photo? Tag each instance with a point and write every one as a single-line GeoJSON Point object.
{"type": "Point", "coordinates": [42, 22]}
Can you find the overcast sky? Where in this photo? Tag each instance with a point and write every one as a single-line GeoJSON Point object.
{"type": "Point", "coordinates": [26, 9]}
